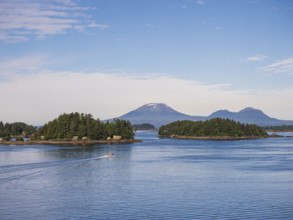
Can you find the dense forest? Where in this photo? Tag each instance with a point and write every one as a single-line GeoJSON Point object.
{"type": "Point", "coordinates": [279, 128]}
{"type": "Point", "coordinates": [214, 127]}
{"type": "Point", "coordinates": [66, 126]}
{"type": "Point", "coordinates": [143, 127]}
{"type": "Point", "coordinates": [15, 129]}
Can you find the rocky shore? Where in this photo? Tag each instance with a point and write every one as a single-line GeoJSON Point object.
{"type": "Point", "coordinates": [68, 142]}
{"type": "Point", "coordinates": [218, 137]}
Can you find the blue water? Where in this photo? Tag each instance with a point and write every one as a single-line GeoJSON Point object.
{"type": "Point", "coordinates": [155, 179]}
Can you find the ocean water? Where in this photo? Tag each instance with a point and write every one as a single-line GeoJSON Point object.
{"type": "Point", "coordinates": [155, 179]}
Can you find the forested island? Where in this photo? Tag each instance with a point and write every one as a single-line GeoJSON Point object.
{"type": "Point", "coordinates": [281, 128]}
{"type": "Point", "coordinates": [217, 129]}
{"type": "Point", "coordinates": [9, 130]}
{"type": "Point", "coordinates": [76, 128]}
{"type": "Point", "coordinates": [144, 127]}
{"type": "Point", "coordinates": [67, 126]}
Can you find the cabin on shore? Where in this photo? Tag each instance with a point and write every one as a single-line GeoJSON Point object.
{"type": "Point", "coordinates": [116, 137]}
{"type": "Point", "coordinates": [75, 138]}
{"type": "Point", "coordinates": [84, 138]}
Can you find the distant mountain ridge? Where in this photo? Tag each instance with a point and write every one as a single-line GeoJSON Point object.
{"type": "Point", "coordinates": [251, 116]}
{"type": "Point", "coordinates": [159, 114]}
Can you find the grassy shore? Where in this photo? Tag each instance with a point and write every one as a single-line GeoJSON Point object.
{"type": "Point", "coordinates": [68, 142]}
{"type": "Point", "coordinates": [217, 137]}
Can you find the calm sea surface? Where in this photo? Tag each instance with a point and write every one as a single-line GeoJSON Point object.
{"type": "Point", "coordinates": [156, 179]}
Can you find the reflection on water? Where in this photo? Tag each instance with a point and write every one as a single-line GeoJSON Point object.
{"type": "Point", "coordinates": [158, 178]}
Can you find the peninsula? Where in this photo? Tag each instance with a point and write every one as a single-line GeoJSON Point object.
{"type": "Point", "coordinates": [214, 129]}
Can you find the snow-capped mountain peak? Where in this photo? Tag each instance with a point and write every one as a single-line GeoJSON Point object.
{"type": "Point", "coordinates": [156, 114]}
{"type": "Point", "coordinates": [155, 107]}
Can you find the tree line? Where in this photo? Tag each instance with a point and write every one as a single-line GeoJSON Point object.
{"type": "Point", "coordinates": [214, 127]}
{"type": "Point", "coordinates": [66, 126]}
{"type": "Point", "coordinates": [279, 128]}
{"type": "Point", "coordinates": [15, 129]}
{"type": "Point", "coordinates": [144, 126]}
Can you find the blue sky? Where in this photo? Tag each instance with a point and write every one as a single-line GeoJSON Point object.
{"type": "Point", "coordinates": [107, 57]}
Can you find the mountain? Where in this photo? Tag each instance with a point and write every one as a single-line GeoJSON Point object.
{"type": "Point", "coordinates": [157, 114]}
{"type": "Point", "coordinates": [250, 116]}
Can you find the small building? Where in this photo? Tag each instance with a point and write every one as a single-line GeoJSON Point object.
{"type": "Point", "coordinates": [24, 135]}
{"type": "Point", "coordinates": [1, 139]}
{"type": "Point", "coordinates": [84, 138]}
{"type": "Point", "coordinates": [75, 138]}
{"type": "Point", "coordinates": [108, 138]}
{"type": "Point", "coordinates": [42, 137]}
{"type": "Point", "coordinates": [116, 137]}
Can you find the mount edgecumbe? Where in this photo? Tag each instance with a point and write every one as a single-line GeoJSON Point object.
{"type": "Point", "coordinates": [159, 114]}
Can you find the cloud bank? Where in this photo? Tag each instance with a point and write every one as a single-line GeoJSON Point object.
{"type": "Point", "coordinates": [38, 98]}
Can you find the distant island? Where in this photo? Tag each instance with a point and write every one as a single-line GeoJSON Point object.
{"type": "Point", "coordinates": [214, 129]}
{"type": "Point", "coordinates": [144, 127]}
{"type": "Point", "coordinates": [76, 128]}
{"type": "Point", "coordinates": [281, 128]}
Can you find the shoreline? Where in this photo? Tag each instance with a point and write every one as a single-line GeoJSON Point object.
{"type": "Point", "coordinates": [218, 138]}
{"type": "Point", "coordinates": [153, 130]}
{"type": "Point", "coordinates": [67, 142]}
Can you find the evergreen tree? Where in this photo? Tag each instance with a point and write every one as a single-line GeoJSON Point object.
{"type": "Point", "coordinates": [15, 129]}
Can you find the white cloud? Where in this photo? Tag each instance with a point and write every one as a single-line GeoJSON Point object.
{"type": "Point", "coordinates": [282, 66]}
{"type": "Point", "coordinates": [258, 57]}
{"type": "Point", "coordinates": [100, 26]}
{"type": "Point", "coordinates": [12, 38]}
{"type": "Point", "coordinates": [22, 20]}
{"type": "Point", "coordinates": [38, 98]}
{"type": "Point", "coordinates": [201, 2]}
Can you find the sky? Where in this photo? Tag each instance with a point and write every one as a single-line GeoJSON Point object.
{"type": "Point", "coordinates": [108, 57]}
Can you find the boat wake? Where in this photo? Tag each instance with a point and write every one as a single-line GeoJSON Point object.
{"type": "Point", "coordinates": [19, 171]}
